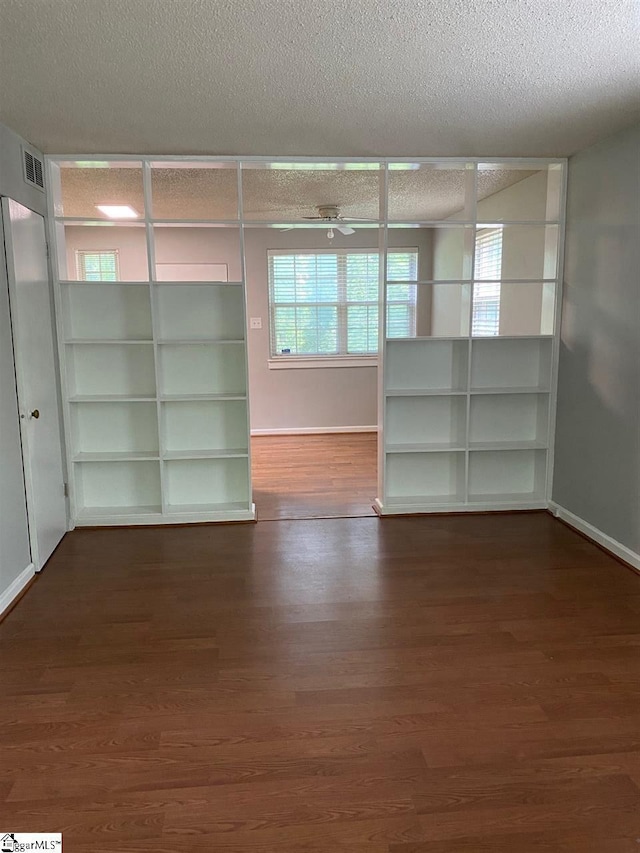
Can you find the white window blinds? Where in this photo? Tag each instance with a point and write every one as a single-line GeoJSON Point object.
{"type": "Point", "coordinates": [486, 288]}
{"type": "Point", "coordinates": [326, 303]}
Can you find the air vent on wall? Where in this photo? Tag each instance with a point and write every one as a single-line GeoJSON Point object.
{"type": "Point", "coordinates": [33, 169]}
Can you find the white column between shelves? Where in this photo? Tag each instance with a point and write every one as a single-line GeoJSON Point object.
{"type": "Point", "coordinates": [155, 330]}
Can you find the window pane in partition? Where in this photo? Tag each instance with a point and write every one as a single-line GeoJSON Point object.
{"type": "Point", "coordinates": [430, 191]}
{"type": "Point", "coordinates": [428, 310]}
{"type": "Point", "coordinates": [486, 294]}
{"type": "Point", "coordinates": [522, 308]}
{"type": "Point", "coordinates": [325, 303]}
{"type": "Point", "coordinates": [102, 251]}
{"type": "Point", "coordinates": [191, 190]}
{"type": "Point", "coordinates": [197, 252]}
{"type": "Point", "coordinates": [448, 257]}
{"type": "Point", "coordinates": [527, 252]}
{"type": "Point", "coordinates": [110, 190]}
{"type": "Point", "coordinates": [290, 192]}
{"type": "Point", "coordinates": [518, 192]}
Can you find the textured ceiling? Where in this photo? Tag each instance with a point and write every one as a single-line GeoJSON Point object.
{"type": "Point", "coordinates": [285, 77]}
{"type": "Point", "coordinates": [289, 195]}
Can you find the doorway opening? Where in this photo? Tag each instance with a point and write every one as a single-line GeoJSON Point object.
{"type": "Point", "coordinates": [312, 248]}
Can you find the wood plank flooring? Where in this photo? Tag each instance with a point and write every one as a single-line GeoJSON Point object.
{"type": "Point", "coordinates": [418, 685]}
{"type": "Point", "coordinates": [314, 476]}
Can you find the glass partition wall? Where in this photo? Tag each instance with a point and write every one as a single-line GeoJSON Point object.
{"type": "Point", "coordinates": [445, 271]}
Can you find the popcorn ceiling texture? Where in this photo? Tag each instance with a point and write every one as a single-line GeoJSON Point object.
{"type": "Point", "coordinates": [296, 77]}
{"type": "Point", "coordinates": [287, 194]}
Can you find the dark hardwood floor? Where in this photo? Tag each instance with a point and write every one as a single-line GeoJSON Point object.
{"type": "Point", "coordinates": [419, 685]}
{"type": "Point", "coordinates": [314, 476]}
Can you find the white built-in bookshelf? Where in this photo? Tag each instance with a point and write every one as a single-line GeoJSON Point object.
{"type": "Point", "coordinates": [466, 423]}
{"type": "Point", "coordinates": [154, 360]}
{"type": "Point", "coordinates": [157, 401]}
{"type": "Point", "coordinates": [467, 403]}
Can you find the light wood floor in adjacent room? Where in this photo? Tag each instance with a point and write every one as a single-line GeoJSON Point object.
{"type": "Point", "coordinates": [314, 476]}
{"type": "Point", "coordinates": [419, 685]}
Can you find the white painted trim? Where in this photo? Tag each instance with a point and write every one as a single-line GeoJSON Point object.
{"type": "Point", "coordinates": [279, 158]}
{"type": "Point", "coordinates": [314, 430]}
{"type": "Point", "coordinates": [15, 587]}
{"type": "Point", "coordinates": [457, 508]}
{"type": "Point", "coordinates": [295, 363]}
{"type": "Point", "coordinates": [168, 517]}
{"type": "Point", "coordinates": [591, 532]}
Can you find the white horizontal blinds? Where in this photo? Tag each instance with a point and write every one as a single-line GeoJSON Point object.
{"type": "Point", "coordinates": [326, 303]}
{"type": "Point", "coordinates": [360, 273]}
{"type": "Point", "coordinates": [402, 268]}
{"type": "Point", "coordinates": [303, 297]}
{"type": "Point", "coordinates": [97, 266]}
{"type": "Point", "coordinates": [486, 289]}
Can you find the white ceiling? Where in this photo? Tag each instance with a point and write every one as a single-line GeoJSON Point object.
{"type": "Point", "coordinates": [350, 78]}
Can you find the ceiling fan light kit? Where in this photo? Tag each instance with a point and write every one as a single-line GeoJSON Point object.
{"type": "Point", "coordinates": [330, 214]}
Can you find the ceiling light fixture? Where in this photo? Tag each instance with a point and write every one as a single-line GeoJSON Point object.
{"type": "Point", "coordinates": [118, 211]}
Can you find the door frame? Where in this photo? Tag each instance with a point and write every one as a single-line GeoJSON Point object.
{"type": "Point", "coordinates": [7, 240]}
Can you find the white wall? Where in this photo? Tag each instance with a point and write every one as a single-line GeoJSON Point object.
{"type": "Point", "coordinates": [12, 183]}
{"type": "Point", "coordinates": [280, 399]}
{"type": "Point", "coordinates": [597, 460]}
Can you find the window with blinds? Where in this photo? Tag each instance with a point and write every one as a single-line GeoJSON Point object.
{"type": "Point", "coordinates": [97, 266]}
{"type": "Point", "coordinates": [486, 289]}
{"type": "Point", "coordinates": [326, 303]}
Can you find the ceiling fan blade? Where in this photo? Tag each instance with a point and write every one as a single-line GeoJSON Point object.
{"type": "Point", "coordinates": [344, 229]}
{"type": "Point", "coordinates": [359, 219]}
{"type": "Point", "coordinates": [313, 217]}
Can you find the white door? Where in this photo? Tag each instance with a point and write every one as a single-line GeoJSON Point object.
{"type": "Point", "coordinates": [15, 551]}
{"type": "Point", "coordinates": [32, 322]}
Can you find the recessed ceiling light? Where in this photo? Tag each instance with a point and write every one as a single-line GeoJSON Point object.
{"type": "Point", "coordinates": [118, 211]}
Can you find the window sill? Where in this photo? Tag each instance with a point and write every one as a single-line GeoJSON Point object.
{"type": "Point", "coordinates": [297, 362]}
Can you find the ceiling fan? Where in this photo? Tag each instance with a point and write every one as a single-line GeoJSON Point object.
{"type": "Point", "coordinates": [330, 215]}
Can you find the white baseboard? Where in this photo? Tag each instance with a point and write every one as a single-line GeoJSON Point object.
{"type": "Point", "coordinates": [598, 536]}
{"type": "Point", "coordinates": [313, 430]}
{"type": "Point", "coordinates": [15, 588]}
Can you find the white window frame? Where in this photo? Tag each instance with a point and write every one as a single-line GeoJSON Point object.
{"type": "Point", "coordinates": [341, 359]}
{"type": "Point", "coordinates": [81, 267]}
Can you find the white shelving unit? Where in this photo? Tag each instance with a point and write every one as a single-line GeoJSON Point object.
{"type": "Point", "coordinates": [452, 444]}
{"type": "Point", "coordinates": [158, 423]}
{"type": "Point", "coordinates": [466, 421]}
{"type": "Point", "coordinates": [155, 379]}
